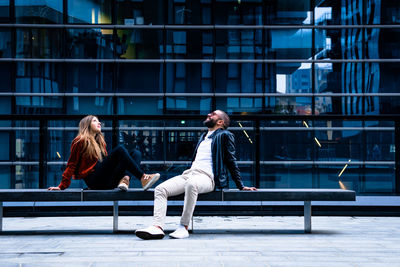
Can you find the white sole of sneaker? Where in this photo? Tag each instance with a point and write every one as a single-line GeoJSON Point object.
{"type": "Point", "coordinates": [151, 182]}
{"type": "Point", "coordinates": [176, 237]}
{"type": "Point", "coordinates": [123, 187]}
{"type": "Point", "coordinates": [147, 236]}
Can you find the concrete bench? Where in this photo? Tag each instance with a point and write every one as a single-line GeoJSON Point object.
{"type": "Point", "coordinates": [304, 195]}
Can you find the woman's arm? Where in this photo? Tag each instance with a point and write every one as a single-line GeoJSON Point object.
{"type": "Point", "coordinates": [71, 166]}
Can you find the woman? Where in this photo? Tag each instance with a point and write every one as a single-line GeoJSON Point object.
{"type": "Point", "coordinates": [89, 161]}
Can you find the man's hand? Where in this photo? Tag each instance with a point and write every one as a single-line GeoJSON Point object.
{"type": "Point", "coordinates": [249, 188]}
{"type": "Point", "coordinates": [53, 188]}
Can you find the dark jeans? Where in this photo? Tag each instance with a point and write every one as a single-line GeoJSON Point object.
{"type": "Point", "coordinates": [110, 171]}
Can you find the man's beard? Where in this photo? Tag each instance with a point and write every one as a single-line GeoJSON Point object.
{"type": "Point", "coordinates": [209, 123]}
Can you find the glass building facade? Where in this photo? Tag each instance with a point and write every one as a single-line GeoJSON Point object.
{"type": "Point", "coordinates": [312, 86]}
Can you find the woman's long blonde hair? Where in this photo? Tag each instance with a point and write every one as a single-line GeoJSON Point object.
{"type": "Point", "coordinates": [94, 145]}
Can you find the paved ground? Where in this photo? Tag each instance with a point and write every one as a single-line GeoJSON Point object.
{"type": "Point", "coordinates": [217, 241]}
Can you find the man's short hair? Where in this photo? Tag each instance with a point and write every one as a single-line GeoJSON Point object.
{"type": "Point", "coordinates": [225, 118]}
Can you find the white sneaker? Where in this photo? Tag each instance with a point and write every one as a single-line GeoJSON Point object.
{"type": "Point", "coordinates": [151, 232]}
{"type": "Point", "coordinates": [179, 233]}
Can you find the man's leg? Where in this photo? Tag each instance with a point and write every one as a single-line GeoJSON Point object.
{"type": "Point", "coordinates": [171, 187]}
{"type": "Point", "coordinates": [198, 183]}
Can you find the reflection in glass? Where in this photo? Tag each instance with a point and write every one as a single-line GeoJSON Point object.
{"type": "Point", "coordinates": [328, 176]}
{"type": "Point", "coordinates": [90, 43]}
{"type": "Point", "coordinates": [85, 78]}
{"type": "Point", "coordinates": [26, 177]}
{"type": "Point", "coordinates": [191, 44]}
{"type": "Point", "coordinates": [139, 44]}
{"type": "Point", "coordinates": [288, 44]}
{"type": "Point", "coordinates": [239, 78]}
{"type": "Point", "coordinates": [150, 142]}
{"type": "Point", "coordinates": [189, 78]}
{"type": "Point", "coordinates": [89, 12]}
{"type": "Point", "coordinates": [239, 104]}
{"type": "Point", "coordinates": [293, 12]}
{"type": "Point", "coordinates": [234, 12]}
{"type": "Point", "coordinates": [190, 105]}
{"type": "Point", "coordinates": [140, 105]}
{"type": "Point", "coordinates": [244, 139]}
{"type": "Point", "coordinates": [239, 44]}
{"type": "Point", "coordinates": [4, 11]}
{"type": "Point", "coordinates": [33, 11]}
{"type": "Point", "coordinates": [288, 105]}
{"type": "Point", "coordinates": [133, 12]}
{"type": "Point", "coordinates": [190, 12]}
{"type": "Point", "coordinates": [345, 43]}
{"type": "Point", "coordinates": [5, 177]}
{"type": "Point", "coordinates": [387, 105]}
{"type": "Point", "coordinates": [286, 176]}
{"type": "Point", "coordinates": [5, 44]}
{"type": "Point", "coordinates": [5, 76]}
{"type": "Point", "coordinates": [286, 145]}
{"type": "Point", "coordinates": [140, 78]}
{"type": "Point", "coordinates": [39, 78]}
{"type": "Point", "coordinates": [38, 43]}
{"type": "Point", "coordinates": [100, 105]}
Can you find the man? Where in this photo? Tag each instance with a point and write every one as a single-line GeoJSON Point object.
{"type": "Point", "coordinates": [214, 153]}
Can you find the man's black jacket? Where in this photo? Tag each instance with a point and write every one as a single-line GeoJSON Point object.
{"type": "Point", "coordinates": [223, 158]}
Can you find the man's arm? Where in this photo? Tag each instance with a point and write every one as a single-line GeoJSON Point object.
{"type": "Point", "coordinates": [230, 161]}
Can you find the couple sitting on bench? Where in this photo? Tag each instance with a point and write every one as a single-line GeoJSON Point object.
{"type": "Point", "coordinates": [215, 152]}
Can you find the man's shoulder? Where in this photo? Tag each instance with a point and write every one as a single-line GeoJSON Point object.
{"type": "Point", "coordinates": [223, 132]}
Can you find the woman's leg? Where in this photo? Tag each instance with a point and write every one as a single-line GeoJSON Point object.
{"type": "Point", "coordinates": [110, 171]}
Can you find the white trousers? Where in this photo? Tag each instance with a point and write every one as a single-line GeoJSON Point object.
{"type": "Point", "coordinates": [191, 182]}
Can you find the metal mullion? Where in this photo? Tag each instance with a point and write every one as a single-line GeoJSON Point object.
{"type": "Point", "coordinates": [397, 156]}
{"type": "Point", "coordinates": [185, 27]}
{"type": "Point", "coordinates": [42, 152]}
{"type": "Point", "coordinates": [70, 60]}
{"type": "Point", "coordinates": [257, 159]}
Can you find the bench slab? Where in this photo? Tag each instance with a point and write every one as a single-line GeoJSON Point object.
{"type": "Point", "coordinates": [16, 195]}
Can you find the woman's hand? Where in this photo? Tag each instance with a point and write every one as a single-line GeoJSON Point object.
{"type": "Point", "coordinates": [249, 188]}
{"type": "Point", "coordinates": [53, 188]}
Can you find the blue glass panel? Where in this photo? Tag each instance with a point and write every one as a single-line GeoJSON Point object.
{"type": "Point", "coordinates": [286, 176]}
{"type": "Point", "coordinates": [44, 11]}
{"type": "Point", "coordinates": [189, 12]}
{"type": "Point", "coordinates": [4, 10]}
{"type": "Point", "coordinates": [90, 43]}
{"type": "Point", "coordinates": [89, 12]}
{"type": "Point", "coordinates": [286, 145]}
{"type": "Point", "coordinates": [189, 105]}
{"type": "Point", "coordinates": [288, 105]}
{"type": "Point", "coordinates": [5, 145]}
{"type": "Point", "coordinates": [38, 43]}
{"type": "Point", "coordinates": [189, 78]}
{"type": "Point", "coordinates": [140, 105]}
{"type": "Point", "coordinates": [347, 13]}
{"type": "Point", "coordinates": [5, 177]}
{"type": "Point", "coordinates": [99, 105]}
{"type": "Point", "coordinates": [5, 77]}
{"type": "Point", "coordinates": [5, 44]}
{"type": "Point", "coordinates": [139, 44]}
{"type": "Point", "coordinates": [239, 104]}
{"type": "Point", "coordinates": [141, 12]}
{"type": "Point", "coordinates": [244, 139]}
{"type": "Point", "coordinates": [239, 44]}
{"type": "Point", "coordinates": [89, 78]}
{"type": "Point", "coordinates": [140, 78]}
{"type": "Point", "coordinates": [239, 78]}
{"type": "Point", "coordinates": [26, 176]}
{"type": "Point", "coordinates": [150, 143]}
{"type": "Point", "coordinates": [238, 12]}
{"type": "Point", "coordinates": [190, 44]}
